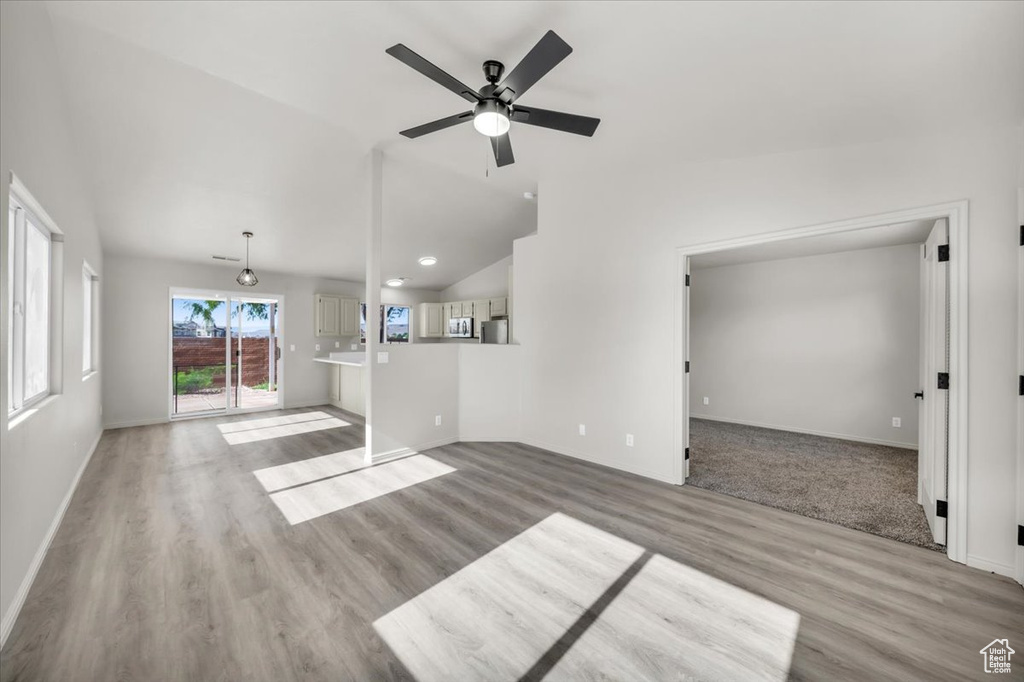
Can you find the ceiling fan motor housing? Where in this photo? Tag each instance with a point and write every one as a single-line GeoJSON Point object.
{"type": "Point", "coordinates": [493, 70]}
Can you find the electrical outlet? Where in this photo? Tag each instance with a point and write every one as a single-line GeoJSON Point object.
{"type": "Point", "coordinates": [353, 346]}
{"type": "Point", "coordinates": [897, 422]}
{"type": "Point", "coordinates": [337, 344]}
{"type": "Point", "coordinates": [382, 357]}
{"type": "Point", "coordinates": [291, 347]}
{"type": "Point", "coordinates": [707, 400]}
{"type": "Point", "coordinates": [583, 429]}
{"type": "Point", "coordinates": [629, 439]}
{"type": "Point", "coordinates": [437, 420]}
{"type": "Point", "coordinates": [318, 346]}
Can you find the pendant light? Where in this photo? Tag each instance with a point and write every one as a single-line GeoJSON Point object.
{"type": "Point", "coordinates": [247, 278]}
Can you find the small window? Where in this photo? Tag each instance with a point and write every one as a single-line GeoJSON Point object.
{"type": "Point", "coordinates": [31, 237]}
{"type": "Point", "coordinates": [395, 319]}
{"type": "Point", "coordinates": [90, 306]}
{"type": "Point", "coordinates": [397, 323]}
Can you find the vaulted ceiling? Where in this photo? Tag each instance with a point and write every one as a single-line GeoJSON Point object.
{"type": "Point", "coordinates": [199, 120]}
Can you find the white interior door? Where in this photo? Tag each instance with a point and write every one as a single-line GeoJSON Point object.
{"type": "Point", "coordinates": [934, 406]}
{"type": "Point", "coordinates": [686, 374]}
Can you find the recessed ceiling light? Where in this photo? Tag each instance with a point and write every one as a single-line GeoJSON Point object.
{"type": "Point", "coordinates": [395, 282]}
{"type": "Point", "coordinates": [428, 260]}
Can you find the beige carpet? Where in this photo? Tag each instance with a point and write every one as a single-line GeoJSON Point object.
{"type": "Point", "coordinates": [867, 487]}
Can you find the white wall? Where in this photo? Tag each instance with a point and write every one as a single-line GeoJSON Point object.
{"type": "Point", "coordinates": [824, 344]}
{"type": "Point", "coordinates": [41, 457]}
{"type": "Point", "coordinates": [419, 382]}
{"type": "Point", "coordinates": [137, 326]}
{"type": "Point", "coordinates": [606, 251]}
{"type": "Point", "coordinates": [490, 282]}
{"type": "Point", "coordinates": [490, 392]}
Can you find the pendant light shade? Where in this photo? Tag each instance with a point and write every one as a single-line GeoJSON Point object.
{"type": "Point", "coordinates": [247, 278]}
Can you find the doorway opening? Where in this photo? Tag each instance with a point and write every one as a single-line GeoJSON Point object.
{"type": "Point", "coordinates": [225, 353]}
{"type": "Point", "coordinates": [798, 441]}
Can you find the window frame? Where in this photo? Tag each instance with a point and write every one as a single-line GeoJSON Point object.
{"type": "Point", "coordinates": [90, 321]}
{"type": "Point", "coordinates": [384, 307]}
{"type": "Point", "coordinates": [28, 214]}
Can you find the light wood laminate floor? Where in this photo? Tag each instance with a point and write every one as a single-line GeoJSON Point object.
{"type": "Point", "coordinates": [176, 560]}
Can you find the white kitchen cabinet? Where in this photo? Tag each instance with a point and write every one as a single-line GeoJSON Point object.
{"type": "Point", "coordinates": [348, 389]}
{"type": "Point", "coordinates": [431, 320]}
{"type": "Point", "coordinates": [336, 315]}
{"type": "Point", "coordinates": [353, 391]}
{"type": "Point", "coordinates": [499, 306]}
{"type": "Point", "coordinates": [483, 314]}
{"type": "Point", "coordinates": [335, 385]}
{"type": "Point", "coordinates": [328, 315]}
{"type": "Point", "coordinates": [349, 317]}
{"type": "Point", "coordinates": [446, 316]}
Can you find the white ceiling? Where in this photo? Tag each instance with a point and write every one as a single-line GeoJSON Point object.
{"type": "Point", "coordinates": [914, 232]}
{"type": "Point", "coordinates": [203, 119]}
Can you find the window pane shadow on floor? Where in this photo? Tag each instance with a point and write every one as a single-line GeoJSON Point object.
{"type": "Point", "coordinates": [863, 486]}
{"type": "Point", "coordinates": [566, 600]}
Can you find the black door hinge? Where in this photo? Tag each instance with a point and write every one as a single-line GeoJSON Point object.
{"type": "Point", "coordinates": [1020, 384]}
{"type": "Point", "coordinates": [1022, 235]}
{"type": "Point", "coordinates": [687, 280]}
{"type": "Point", "coordinates": [1020, 535]}
{"type": "Point", "coordinates": [686, 453]}
{"type": "Point", "coordinates": [687, 370]}
{"type": "Point", "coordinates": [943, 253]}
{"type": "Point", "coordinates": [943, 381]}
{"type": "Point", "coordinates": [940, 509]}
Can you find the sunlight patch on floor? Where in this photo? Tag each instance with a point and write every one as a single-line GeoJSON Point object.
{"type": "Point", "coordinates": [673, 621]}
{"type": "Point", "coordinates": [309, 470]}
{"type": "Point", "coordinates": [494, 618]}
{"type": "Point", "coordinates": [245, 425]}
{"type": "Point", "coordinates": [237, 433]}
{"type": "Point", "coordinates": [565, 600]}
{"type": "Point", "coordinates": [324, 497]}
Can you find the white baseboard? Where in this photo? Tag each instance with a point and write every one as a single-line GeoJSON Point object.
{"type": "Point", "coordinates": [990, 566]}
{"type": "Point", "coordinates": [575, 454]}
{"type": "Point", "coordinates": [136, 422]}
{"type": "Point", "coordinates": [809, 432]}
{"type": "Point", "coordinates": [405, 452]}
{"type": "Point", "coordinates": [488, 438]}
{"type": "Point", "coordinates": [26, 584]}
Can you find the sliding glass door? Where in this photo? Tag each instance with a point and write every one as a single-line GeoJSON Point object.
{"type": "Point", "coordinates": [199, 345]}
{"type": "Point", "coordinates": [225, 353]}
{"type": "Point", "coordinates": [255, 375]}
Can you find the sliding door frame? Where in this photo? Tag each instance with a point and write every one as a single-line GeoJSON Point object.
{"type": "Point", "coordinates": [227, 296]}
{"type": "Point", "coordinates": [957, 215]}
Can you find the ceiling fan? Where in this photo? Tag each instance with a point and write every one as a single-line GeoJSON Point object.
{"type": "Point", "coordinates": [494, 105]}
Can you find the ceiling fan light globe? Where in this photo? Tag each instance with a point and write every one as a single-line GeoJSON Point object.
{"type": "Point", "coordinates": [491, 124]}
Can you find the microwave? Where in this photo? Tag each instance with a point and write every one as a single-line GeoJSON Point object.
{"type": "Point", "coordinates": [461, 327]}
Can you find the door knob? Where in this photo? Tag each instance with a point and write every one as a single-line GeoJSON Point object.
{"type": "Point", "coordinates": [919, 394]}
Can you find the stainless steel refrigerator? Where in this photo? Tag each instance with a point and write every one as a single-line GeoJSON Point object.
{"type": "Point", "coordinates": [494, 331]}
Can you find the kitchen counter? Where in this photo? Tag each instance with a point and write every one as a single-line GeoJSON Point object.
{"type": "Point", "coordinates": [352, 359]}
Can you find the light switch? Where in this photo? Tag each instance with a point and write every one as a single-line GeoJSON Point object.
{"type": "Point", "coordinates": [437, 420]}
{"type": "Point", "coordinates": [707, 400]}
{"type": "Point", "coordinates": [382, 357]}
{"type": "Point", "coordinates": [583, 429]}
{"type": "Point", "coordinates": [292, 347]}
{"type": "Point", "coordinates": [337, 344]}
{"type": "Point", "coordinates": [353, 347]}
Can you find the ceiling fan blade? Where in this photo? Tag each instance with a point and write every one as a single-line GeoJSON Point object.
{"type": "Point", "coordinates": [411, 59]}
{"type": "Point", "coordinates": [544, 56]}
{"type": "Point", "coordinates": [439, 124]}
{"type": "Point", "coordinates": [556, 120]}
{"type": "Point", "coordinates": [502, 147]}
